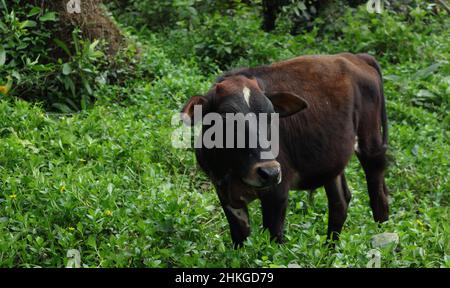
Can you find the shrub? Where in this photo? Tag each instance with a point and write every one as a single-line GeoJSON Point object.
{"type": "Point", "coordinates": [223, 42]}
{"type": "Point", "coordinates": [158, 15]}
{"type": "Point", "coordinates": [25, 33]}
{"type": "Point", "coordinates": [396, 35]}
{"type": "Point", "coordinates": [39, 66]}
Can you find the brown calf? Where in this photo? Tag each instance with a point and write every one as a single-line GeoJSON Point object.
{"type": "Point", "coordinates": [330, 107]}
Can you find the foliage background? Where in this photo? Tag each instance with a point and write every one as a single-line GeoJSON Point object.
{"type": "Point", "coordinates": [86, 161]}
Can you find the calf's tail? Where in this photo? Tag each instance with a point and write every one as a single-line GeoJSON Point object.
{"type": "Point", "coordinates": [372, 62]}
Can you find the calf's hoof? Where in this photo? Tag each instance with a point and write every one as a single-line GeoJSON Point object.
{"type": "Point", "coordinates": [277, 239]}
{"type": "Point", "coordinates": [238, 245]}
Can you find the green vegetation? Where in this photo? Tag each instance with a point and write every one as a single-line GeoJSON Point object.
{"type": "Point", "coordinates": [106, 181]}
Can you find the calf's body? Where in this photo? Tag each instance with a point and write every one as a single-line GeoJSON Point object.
{"type": "Point", "coordinates": [345, 114]}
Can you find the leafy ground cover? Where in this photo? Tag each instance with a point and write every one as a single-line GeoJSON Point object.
{"type": "Point", "coordinates": [107, 182]}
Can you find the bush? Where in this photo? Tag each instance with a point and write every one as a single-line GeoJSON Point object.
{"type": "Point", "coordinates": [62, 73]}
{"type": "Point", "coordinates": [158, 15]}
{"type": "Point", "coordinates": [396, 35]}
{"type": "Point", "coordinates": [221, 42]}
{"type": "Point", "coordinates": [25, 33]}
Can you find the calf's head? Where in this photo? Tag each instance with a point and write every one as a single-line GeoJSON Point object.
{"type": "Point", "coordinates": [242, 141]}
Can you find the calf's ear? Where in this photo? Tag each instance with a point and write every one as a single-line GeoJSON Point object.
{"type": "Point", "coordinates": [187, 112]}
{"type": "Point", "coordinates": [287, 103]}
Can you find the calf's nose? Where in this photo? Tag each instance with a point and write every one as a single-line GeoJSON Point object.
{"type": "Point", "coordinates": [269, 174]}
{"type": "Point", "coordinates": [264, 174]}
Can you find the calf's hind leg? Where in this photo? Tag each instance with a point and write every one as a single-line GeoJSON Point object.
{"type": "Point", "coordinates": [373, 161]}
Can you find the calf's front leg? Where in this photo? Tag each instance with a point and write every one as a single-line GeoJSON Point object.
{"type": "Point", "coordinates": [274, 204]}
{"type": "Point", "coordinates": [238, 220]}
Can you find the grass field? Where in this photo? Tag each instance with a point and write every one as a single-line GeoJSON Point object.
{"type": "Point", "coordinates": [106, 181]}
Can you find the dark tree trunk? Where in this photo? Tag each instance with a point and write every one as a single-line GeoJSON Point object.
{"type": "Point", "coordinates": [270, 9]}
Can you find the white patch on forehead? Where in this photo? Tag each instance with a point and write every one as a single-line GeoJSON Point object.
{"type": "Point", "coordinates": [356, 146]}
{"type": "Point", "coordinates": [246, 93]}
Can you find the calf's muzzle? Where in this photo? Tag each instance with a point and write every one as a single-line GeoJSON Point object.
{"type": "Point", "coordinates": [264, 174]}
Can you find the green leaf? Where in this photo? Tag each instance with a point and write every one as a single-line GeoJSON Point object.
{"type": "Point", "coordinates": [93, 45]}
{"type": "Point", "coordinates": [28, 23]}
{"type": "Point", "coordinates": [96, 54]}
{"type": "Point", "coordinates": [84, 102]}
{"type": "Point", "coordinates": [2, 56]}
{"type": "Point", "coordinates": [87, 86]}
{"type": "Point", "coordinates": [41, 67]}
{"type": "Point", "coordinates": [3, 26]}
{"type": "Point", "coordinates": [423, 73]}
{"type": "Point", "coordinates": [392, 77]}
{"type": "Point", "coordinates": [62, 107]}
{"type": "Point", "coordinates": [69, 101]}
{"type": "Point", "coordinates": [80, 227]}
{"type": "Point", "coordinates": [9, 83]}
{"type": "Point", "coordinates": [301, 6]}
{"type": "Point", "coordinates": [49, 16]}
{"type": "Point", "coordinates": [69, 85]}
{"type": "Point", "coordinates": [34, 11]}
{"type": "Point", "coordinates": [66, 69]}
{"type": "Point", "coordinates": [62, 45]}
{"type": "Point", "coordinates": [424, 93]}
{"type": "Point", "coordinates": [39, 241]}
{"type": "Point", "coordinates": [210, 208]}
{"type": "Point", "coordinates": [91, 241]}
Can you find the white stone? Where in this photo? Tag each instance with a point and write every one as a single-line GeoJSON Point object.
{"type": "Point", "coordinates": [385, 239]}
